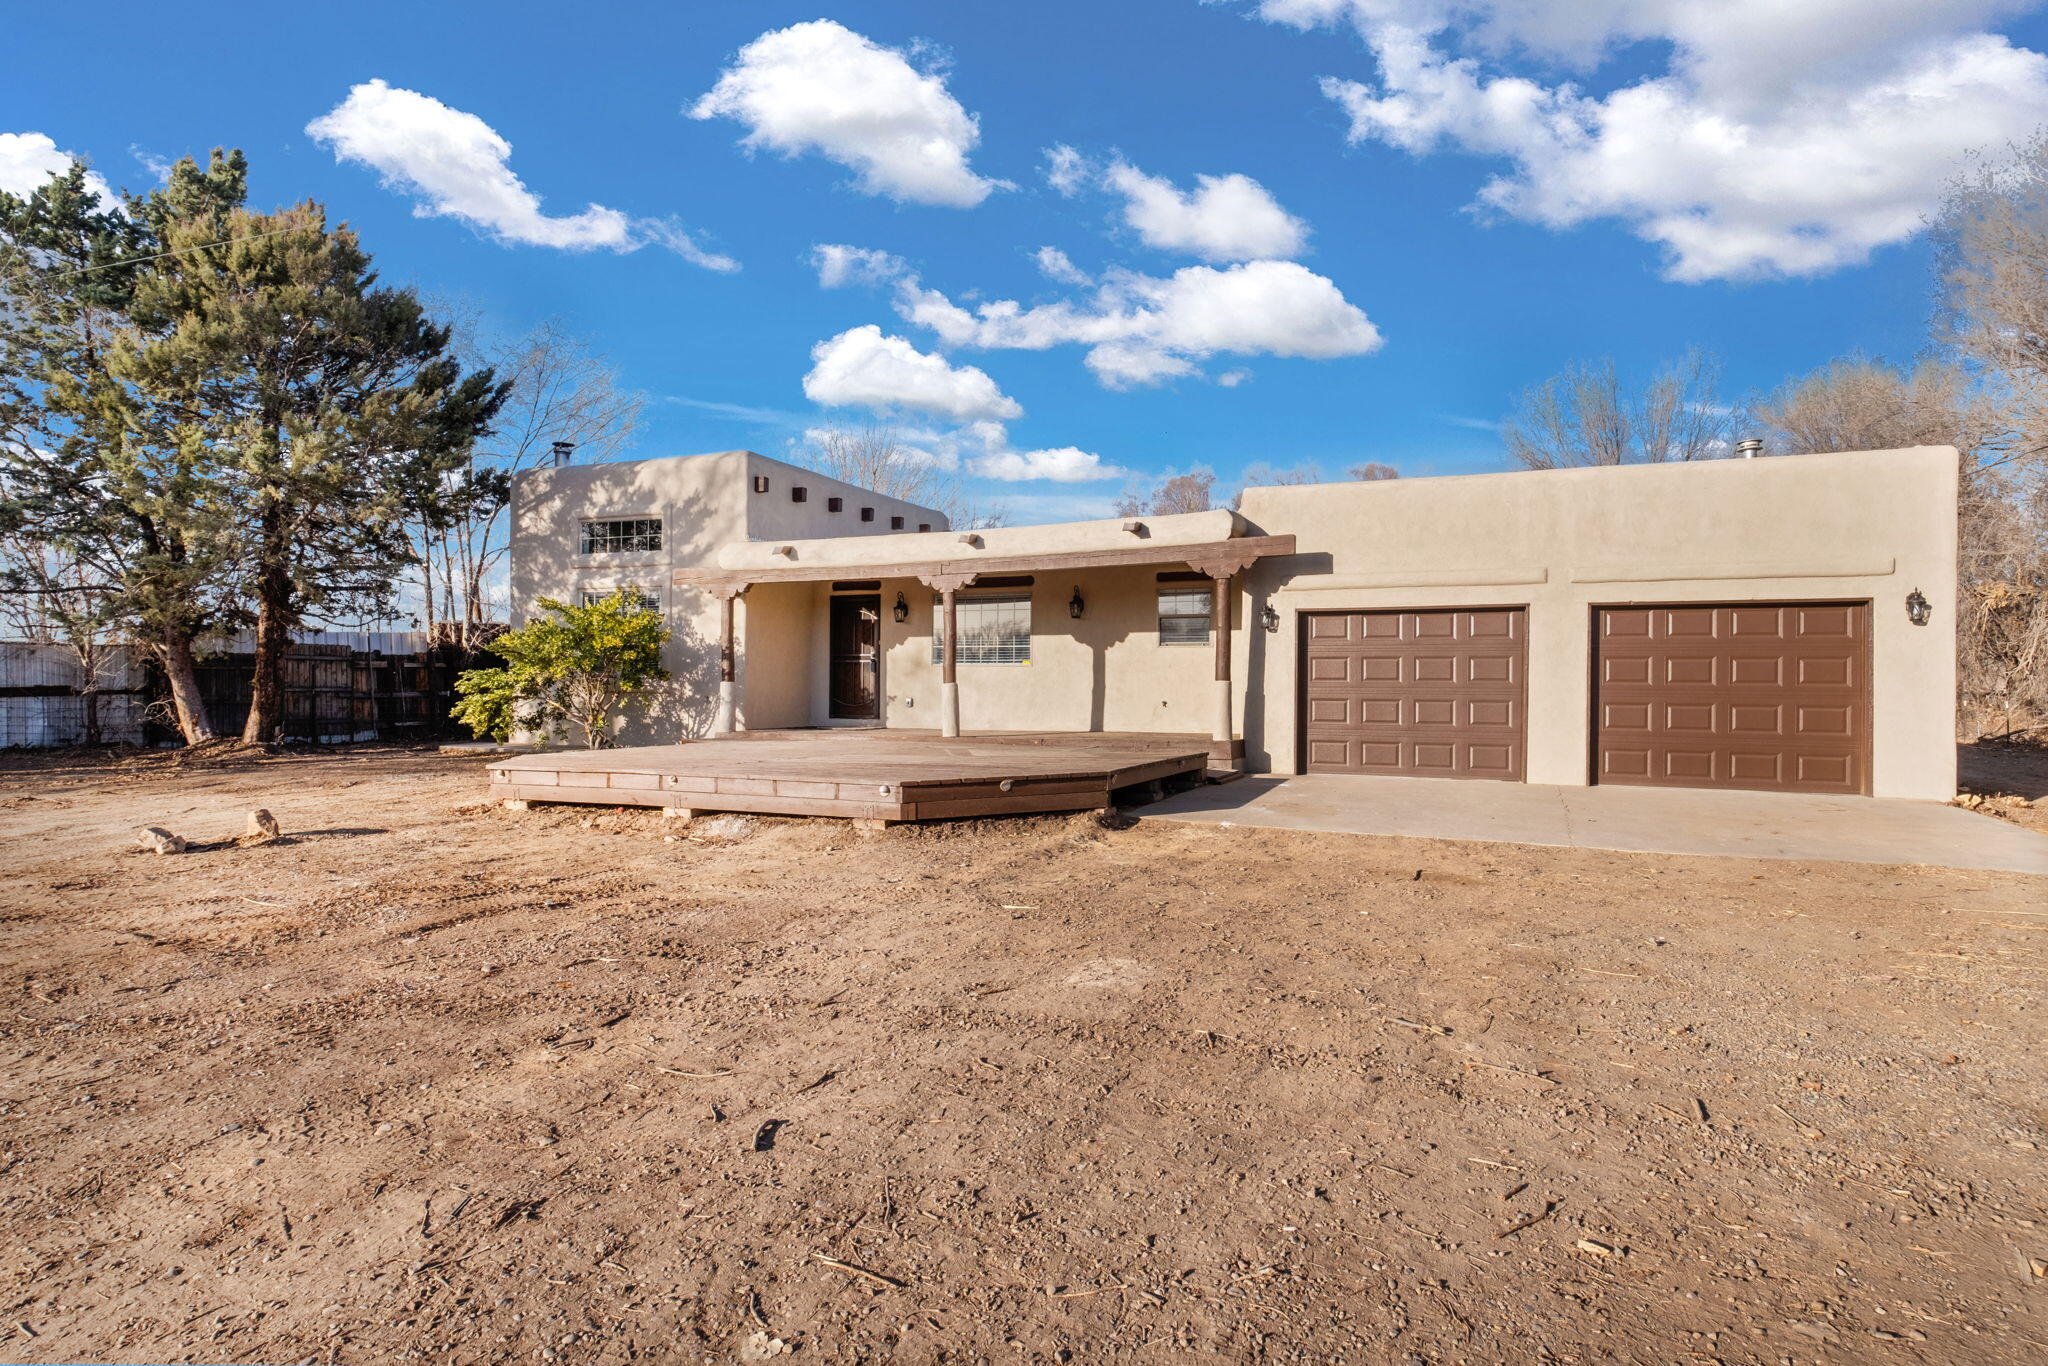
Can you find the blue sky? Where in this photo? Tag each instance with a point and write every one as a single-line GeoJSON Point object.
{"type": "Point", "coordinates": [1619, 222]}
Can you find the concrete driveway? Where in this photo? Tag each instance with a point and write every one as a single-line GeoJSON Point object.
{"type": "Point", "coordinates": [1642, 819]}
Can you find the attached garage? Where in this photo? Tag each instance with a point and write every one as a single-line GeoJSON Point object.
{"type": "Point", "coordinates": [1764, 695]}
{"type": "Point", "coordinates": [1438, 694]}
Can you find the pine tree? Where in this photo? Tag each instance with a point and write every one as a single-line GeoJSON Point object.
{"type": "Point", "coordinates": [331, 404]}
{"type": "Point", "coordinates": [131, 506]}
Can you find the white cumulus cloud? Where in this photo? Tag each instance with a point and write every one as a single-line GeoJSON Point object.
{"type": "Point", "coordinates": [1066, 170]}
{"type": "Point", "coordinates": [28, 160]}
{"type": "Point", "coordinates": [1224, 218]}
{"type": "Point", "coordinates": [1777, 139]}
{"type": "Point", "coordinates": [1054, 264]}
{"type": "Point", "coordinates": [457, 166]}
{"type": "Point", "coordinates": [1061, 465]}
{"type": "Point", "coordinates": [840, 265]}
{"type": "Point", "coordinates": [820, 87]}
{"type": "Point", "coordinates": [1141, 329]}
{"type": "Point", "coordinates": [864, 367]}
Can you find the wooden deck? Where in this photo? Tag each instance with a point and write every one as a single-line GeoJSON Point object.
{"type": "Point", "coordinates": [884, 775]}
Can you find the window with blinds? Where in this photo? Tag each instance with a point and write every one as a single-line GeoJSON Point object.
{"type": "Point", "coordinates": [1184, 616]}
{"type": "Point", "coordinates": [615, 535]}
{"type": "Point", "coordinates": [593, 596]}
{"type": "Point", "coordinates": [995, 628]}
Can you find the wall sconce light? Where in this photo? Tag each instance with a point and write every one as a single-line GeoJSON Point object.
{"type": "Point", "coordinates": [1269, 618]}
{"type": "Point", "coordinates": [1076, 605]}
{"type": "Point", "coordinates": [901, 611]}
{"type": "Point", "coordinates": [1918, 609]}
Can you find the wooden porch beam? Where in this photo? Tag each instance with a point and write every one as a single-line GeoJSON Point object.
{"type": "Point", "coordinates": [1231, 556]}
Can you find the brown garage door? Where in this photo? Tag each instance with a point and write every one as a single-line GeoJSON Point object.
{"type": "Point", "coordinates": [1770, 695]}
{"type": "Point", "coordinates": [1419, 694]}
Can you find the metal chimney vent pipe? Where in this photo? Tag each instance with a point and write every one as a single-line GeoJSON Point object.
{"type": "Point", "coordinates": [1749, 448]}
{"type": "Point", "coordinates": [563, 451]}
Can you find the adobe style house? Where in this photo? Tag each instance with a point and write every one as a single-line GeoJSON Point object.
{"type": "Point", "coordinates": [1779, 623]}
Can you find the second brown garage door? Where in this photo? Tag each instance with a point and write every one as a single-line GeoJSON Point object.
{"type": "Point", "coordinates": [1764, 695]}
{"type": "Point", "coordinates": [1434, 694]}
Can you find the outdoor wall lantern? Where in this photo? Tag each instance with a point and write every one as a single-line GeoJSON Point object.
{"type": "Point", "coordinates": [901, 611]}
{"type": "Point", "coordinates": [1269, 618]}
{"type": "Point", "coordinates": [1918, 609]}
{"type": "Point", "coordinates": [1075, 605]}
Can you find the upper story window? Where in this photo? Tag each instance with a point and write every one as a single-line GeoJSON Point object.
{"type": "Point", "coordinates": [1184, 616]}
{"type": "Point", "coordinates": [995, 628]}
{"type": "Point", "coordinates": [835, 504]}
{"type": "Point", "coordinates": [895, 524]}
{"type": "Point", "coordinates": [592, 596]}
{"type": "Point", "coordinates": [867, 514]}
{"type": "Point", "coordinates": [616, 535]}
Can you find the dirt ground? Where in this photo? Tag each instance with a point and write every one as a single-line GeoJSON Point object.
{"type": "Point", "coordinates": [428, 1080]}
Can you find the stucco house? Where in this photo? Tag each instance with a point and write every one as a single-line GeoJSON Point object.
{"type": "Point", "coordinates": [1779, 623]}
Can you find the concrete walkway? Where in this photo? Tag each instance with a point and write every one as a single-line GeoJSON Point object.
{"type": "Point", "coordinates": [1641, 819]}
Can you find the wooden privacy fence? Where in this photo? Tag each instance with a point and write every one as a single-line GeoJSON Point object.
{"type": "Point", "coordinates": [336, 692]}
{"type": "Point", "coordinates": [339, 687]}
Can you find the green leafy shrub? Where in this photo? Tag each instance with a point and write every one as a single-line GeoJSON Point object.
{"type": "Point", "coordinates": [575, 666]}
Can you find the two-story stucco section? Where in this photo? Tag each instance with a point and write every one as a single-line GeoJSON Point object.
{"type": "Point", "coordinates": [1839, 543]}
{"type": "Point", "coordinates": [701, 503]}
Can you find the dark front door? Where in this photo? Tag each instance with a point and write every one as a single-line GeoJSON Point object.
{"type": "Point", "coordinates": [857, 657]}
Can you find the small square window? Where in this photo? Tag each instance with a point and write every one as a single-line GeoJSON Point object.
{"type": "Point", "coordinates": [835, 504]}
{"type": "Point", "coordinates": [798, 493]}
{"type": "Point", "coordinates": [1184, 616]}
{"type": "Point", "coordinates": [620, 535]}
{"type": "Point", "coordinates": [924, 526]}
{"type": "Point", "coordinates": [895, 524]}
{"type": "Point", "coordinates": [760, 483]}
{"type": "Point", "coordinates": [867, 514]}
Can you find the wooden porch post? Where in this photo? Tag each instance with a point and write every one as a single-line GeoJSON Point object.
{"type": "Point", "coordinates": [947, 586]}
{"type": "Point", "coordinates": [949, 676]}
{"type": "Point", "coordinates": [1221, 568]}
{"type": "Point", "coordinates": [726, 720]}
{"type": "Point", "coordinates": [1219, 615]}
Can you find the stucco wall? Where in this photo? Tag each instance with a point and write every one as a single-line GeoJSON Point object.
{"type": "Point", "coordinates": [701, 503]}
{"type": "Point", "coordinates": [705, 502]}
{"type": "Point", "coordinates": [775, 516]}
{"type": "Point", "coordinates": [1106, 671]}
{"type": "Point", "coordinates": [1863, 525]}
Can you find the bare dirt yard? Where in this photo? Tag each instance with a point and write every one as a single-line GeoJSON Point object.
{"type": "Point", "coordinates": [428, 1080]}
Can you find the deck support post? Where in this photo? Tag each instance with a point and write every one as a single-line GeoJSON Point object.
{"type": "Point", "coordinates": [949, 680]}
{"type": "Point", "coordinates": [726, 720]}
{"type": "Point", "coordinates": [1223, 732]}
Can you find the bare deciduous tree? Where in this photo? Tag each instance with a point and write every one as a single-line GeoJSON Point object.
{"type": "Point", "coordinates": [873, 455]}
{"type": "Point", "coordinates": [1992, 274]}
{"type": "Point", "coordinates": [1588, 416]}
{"type": "Point", "coordinates": [1373, 470]}
{"type": "Point", "coordinates": [560, 391]}
{"type": "Point", "coordinates": [1859, 404]}
{"type": "Point", "coordinates": [1191, 492]}
{"type": "Point", "coordinates": [51, 596]}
